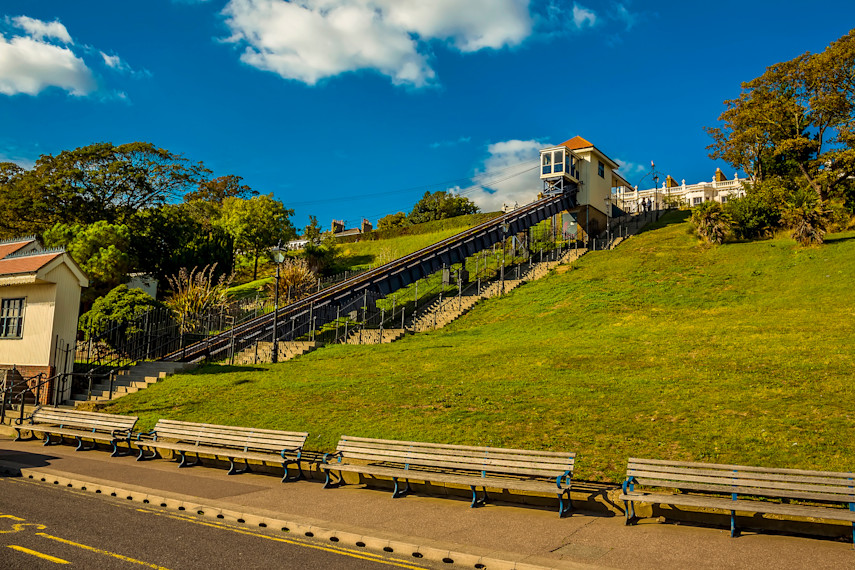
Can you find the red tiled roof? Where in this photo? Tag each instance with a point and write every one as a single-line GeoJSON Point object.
{"type": "Point", "coordinates": [12, 247]}
{"type": "Point", "coordinates": [27, 264]}
{"type": "Point", "coordinates": [576, 143]}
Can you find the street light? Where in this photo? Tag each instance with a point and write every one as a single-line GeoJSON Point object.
{"type": "Point", "coordinates": [278, 257]}
{"type": "Point", "coordinates": [505, 227]}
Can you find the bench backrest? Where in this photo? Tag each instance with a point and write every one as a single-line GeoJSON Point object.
{"type": "Point", "coordinates": [230, 436]}
{"type": "Point", "coordinates": [484, 459]}
{"type": "Point", "coordinates": [83, 420]}
{"type": "Point", "coordinates": [744, 480]}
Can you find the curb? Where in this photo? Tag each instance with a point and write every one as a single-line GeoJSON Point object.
{"type": "Point", "coordinates": [426, 551]}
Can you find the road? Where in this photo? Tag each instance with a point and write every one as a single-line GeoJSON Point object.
{"type": "Point", "coordinates": [44, 526]}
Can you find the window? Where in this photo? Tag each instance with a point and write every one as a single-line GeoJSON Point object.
{"type": "Point", "coordinates": [724, 199]}
{"type": "Point", "coordinates": [601, 170]}
{"type": "Point", "coordinates": [558, 161]}
{"type": "Point", "coordinates": [696, 201]}
{"type": "Point", "coordinates": [547, 162]}
{"type": "Point", "coordinates": [11, 318]}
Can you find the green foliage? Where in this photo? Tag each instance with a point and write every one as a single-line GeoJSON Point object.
{"type": "Point", "coordinates": [100, 249]}
{"type": "Point", "coordinates": [196, 292]}
{"type": "Point", "coordinates": [439, 206]}
{"type": "Point", "coordinates": [797, 121]}
{"type": "Point", "coordinates": [664, 349]}
{"type": "Point", "coordinates": [257, 224]}
{"type": "Point", "coordinates": [296, 280]}
{"type": "Point", "coordinates": [117, 308]}
{"type": "Point", "coordinates": [392, 221]}
{"type": "Point", "coordinates": [312, 231]}
{"type": "Point", "coordinates": [216, 191]}
{"type": "Point", "coordinates": [808, 218]}
{"type": "Point", "coordinates": [754, 216]}
{"type": "Point", "coordinates": [711, 222]}
{"type": "Point", "coordinates": [92, 183]}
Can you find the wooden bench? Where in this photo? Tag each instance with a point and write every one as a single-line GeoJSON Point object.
{"type": "Point", "coordinates": [746, 489]}
{"type": "Point", "coordinates": [80, 425]}
{"type": "Point", "coordinates": [231, 442]}
{"type": "Point", "coordinates": [517, 469]}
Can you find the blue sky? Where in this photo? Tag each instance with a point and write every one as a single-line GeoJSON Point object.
{"type": "Point", "coordinates": [353, 108]}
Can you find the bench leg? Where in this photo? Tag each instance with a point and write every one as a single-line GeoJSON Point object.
{"type": "Point", "coordinates": [398, 493]}
{"type": "Point", "coordinates": [184, 462]}
{"type": "Point", "coordinates": [733, 531]}
{"type": "Point", "coordinates": [49, 442]}
{"type": "Point", "coordinates": [19, 437]}
{"type": "Point", "coordinates": [115, 443]}
{"type": "Point", "coordinates": [81, 447]}
{"type": "Point", "coordinates": [142, 456]}
{"type": "Point", "coordinates": [234, 471]}
{"type": "Point", "coordinates": [328, 483]}
{"type": "Point", "coordinates": [286, 477]}
{"type": "Point", "coordinates": [478, 502]}
{"type": "Point", "coordinates": [562, 510]}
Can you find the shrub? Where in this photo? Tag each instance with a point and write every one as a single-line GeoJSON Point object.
{"type": "Point", "coordinates": [808, 217]}
{"type": "Point", "coordinates": [752, 216]}
{"type": "Point", "coordinates": [120, 307]}
{"type": "Point", "coordinates": [196, 292]}
{"type": "Point", "coordinates": [296, 280]}
{"type": "Point", "coordinates": [711, 222]}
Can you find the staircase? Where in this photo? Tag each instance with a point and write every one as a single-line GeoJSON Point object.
{"type": "Point", "coordinates": [440, 313]}
{"type": "Point", "coordinates": [374, 336]}
{"type": "Point", "coordinates": [263, 351]}
{"type": "Point", "coordinates": [128, 381]}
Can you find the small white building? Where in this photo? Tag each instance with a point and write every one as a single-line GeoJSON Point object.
{"type": "Point", "coordinates": [39, 308]}
{"type": "Point", "coordinates": [577, 165]}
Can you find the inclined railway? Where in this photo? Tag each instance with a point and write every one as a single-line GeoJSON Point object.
{"type": "Point", "coordinates": [324, 306]}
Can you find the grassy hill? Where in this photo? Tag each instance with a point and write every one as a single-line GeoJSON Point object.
{"type": "Point", "coordinates": [664, 348]}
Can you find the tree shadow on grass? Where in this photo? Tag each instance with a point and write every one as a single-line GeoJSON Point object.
{"type": "Point", "coordinates": [839, 239]}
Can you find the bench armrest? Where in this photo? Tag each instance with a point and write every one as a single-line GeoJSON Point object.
{"type": "Point", "coordinates": [328, 456]}
{"type": "Point", "coordinates": [20, 421]}
{"type": "Point", "coordinates": [565, 479]}
{"type": "Point", "coordinates": [152, 435]}
{"type": "Point", "coordinates": [121, 433]}
{"type": "Point", "coordinates": [294, 450]}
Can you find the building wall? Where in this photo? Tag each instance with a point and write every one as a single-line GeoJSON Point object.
{"type": "Point", "coordinates": [67, 309]}
{"type": "Point", "coordinates": [35, 346]}
{"type": "Point", "coordinates": [595, 189]}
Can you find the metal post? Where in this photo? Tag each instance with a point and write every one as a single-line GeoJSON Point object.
{"type": "Point", "coordinates": [275, 358]}
{"type": "Point", "coordinates": [337, 315]}
{"type": "Point", "coordinates": [382, 316]}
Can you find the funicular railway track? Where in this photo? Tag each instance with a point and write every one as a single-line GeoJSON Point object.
{"type": "Point", "coordinates": [383, 280]}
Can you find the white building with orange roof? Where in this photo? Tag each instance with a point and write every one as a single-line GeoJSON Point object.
{"type": "Point", "coordinates": [579, 167]}
{"type": "Point", "coordinates": [39, 307]}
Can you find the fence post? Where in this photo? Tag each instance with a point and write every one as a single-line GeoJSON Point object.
{"type": "Point", "coordinates": [337, 315]}
{"type": "Point", "coordinates": [382, 316]}
{"type": "Point", "coordinates": [89, 389]}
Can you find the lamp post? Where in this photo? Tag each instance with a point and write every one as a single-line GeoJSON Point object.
{"type": "Point", "coordinates": [278, 257]}
{"type": "Point", "coordinates": [504, 237]}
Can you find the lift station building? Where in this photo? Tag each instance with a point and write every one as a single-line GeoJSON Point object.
{"type": "Point", "coordinates": [577, 166]}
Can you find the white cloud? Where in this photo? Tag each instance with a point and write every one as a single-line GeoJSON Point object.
{"type": "Point", "coordinates": [583, 17]}
{"type": "Point", "coordinates": [629, 169]}
{"type": "Point", "coordinates": [509, 175]}
{"type": "Point", "coordinates": [622, 14]}
{"type": "Point", "coordinates": [310, 40]}
{"type": "Point", "coordinates": [40, 30]}
{"type": "Point", "coordinates": [113, 61]}
{"type": "Point", "coordinates": [29, 65]}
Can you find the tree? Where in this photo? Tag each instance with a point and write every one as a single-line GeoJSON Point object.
{"type": "Point", "coordinates": [257, 224]}
{"type": "Point", "coordinates": [796, 120]}
{"type": "Point", "coordinates": [439, 206]}
{"type": "Point", "coordinates": [392, 221]}
{"type": "Point", "coordinates": [100, 249]}
{"type": "Point", "coordinates": [312, 232]}
{"type": "Point", "coordinates": [711, 222]}
{"type": "Point", "coordinates": [807, 217]}
{"type": "Point", "coordinates": [92, 183]}
{"type": "Point", "coordinates": [220, 188]}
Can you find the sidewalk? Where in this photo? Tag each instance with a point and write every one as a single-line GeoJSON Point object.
{"type": "Point", "coordinates": [496, 536]}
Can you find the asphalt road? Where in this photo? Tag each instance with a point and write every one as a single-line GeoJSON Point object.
{"type": "Point", "coordinates": [44, 526]}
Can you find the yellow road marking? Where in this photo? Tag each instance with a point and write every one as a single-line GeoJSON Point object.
{"type": "Point", "coordinates": [13, 517]}
{"type": "Point", "coordinates": [20, 526]}
{"type": "Point", "coordinates": [99, 551]}
{"type": "Point", "coordinates": [39, 554]}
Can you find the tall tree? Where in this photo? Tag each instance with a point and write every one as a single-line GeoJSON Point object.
{"type": "Point", "coordinates": [257, 224]}
{"type": "Point", "coordinates": [797, 119]}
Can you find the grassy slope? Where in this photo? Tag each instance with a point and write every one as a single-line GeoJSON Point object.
{"type": "Point", "coordinates": [661, 348]}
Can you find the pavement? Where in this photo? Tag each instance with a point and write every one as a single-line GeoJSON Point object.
{"type": "Point", "coordinates": [500, 535]}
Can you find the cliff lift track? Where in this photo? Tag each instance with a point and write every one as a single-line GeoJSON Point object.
{"type": "Point", "coordinates": [384, 279]}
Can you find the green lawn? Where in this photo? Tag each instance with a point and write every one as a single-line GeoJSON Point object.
{"type": "Point", "coordinates": [661, 348]}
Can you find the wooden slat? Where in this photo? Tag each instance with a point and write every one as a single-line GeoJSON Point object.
{"type": "Point", "coordinates": [460, 456]}
{"type": "Point", "coordinates": [741, 467]}
{"type": "Point", "coordinates": [751, 491]}
{"type": "Point", "coordinates": [742, 506]}
{"type": "Point", "coordinates": [441, 462]}
{"type": "Point", "coordinates": [726, 482]}
{"type": "Point", "coordinates": [229, 437]}
{"type": "Point", "coordinates": [460, 447]}
{"type": "Point", "coordinates": [744, 474]}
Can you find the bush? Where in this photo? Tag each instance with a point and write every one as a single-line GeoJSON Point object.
{"type": "Point", "coordinates": [711, 222]}
{"type": "Point", "coordinates": [752, 216]}
{"type": "Point", "coordinates": [808, 218]}
{"type": "Point", "coordinates": [119, 307]}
